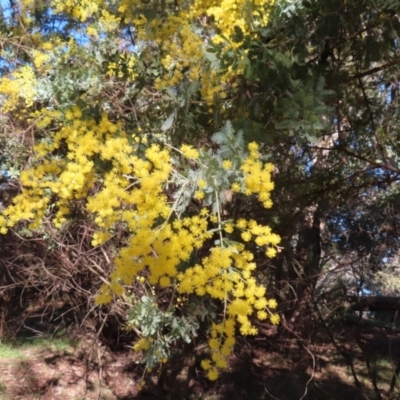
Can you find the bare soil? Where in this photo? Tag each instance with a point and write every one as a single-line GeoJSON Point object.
{"type": "Point", "coordinates": [264, 368]}
{"type": "Point", "coordinates": [87, 371]}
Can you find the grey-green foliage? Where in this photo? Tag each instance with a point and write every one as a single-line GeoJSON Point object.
{"type": "Point", "coordinates": [230, 146]}
{"type": "Point", "coordinates": [162, 328]}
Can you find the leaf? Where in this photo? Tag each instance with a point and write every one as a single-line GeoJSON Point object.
{"type": "Point", "coordinates": [194, 87]}
{"type": "Point", "coordinates": [219, 137]}
{"type": "Point", "coordinates": [213, 60]}
{"type": "Point", "coordinates": [285, 124]}
{"type": "Point", "coordinates": [167, 124]}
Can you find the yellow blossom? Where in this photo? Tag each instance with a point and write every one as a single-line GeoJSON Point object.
{"type": "Point", "coordinates": [227, 164]}
{"type": "Point", "coordinates": [272, 303]}
{"type": "Point", "coordinates": [275, 319]}
{"type": "Point", "coordinates": [199, 195]}
{"type": "Point", "coordinates": [236, 187]}
{"type": "Point", "coordinates": [201, 183]}
{"type": "Point", "coordinates": [229, 227]}
{"type": "Point", "coordinates": [189, 152]}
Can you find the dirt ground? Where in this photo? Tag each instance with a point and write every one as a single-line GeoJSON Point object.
{"type": "Point", "coordinates": [86, 370]}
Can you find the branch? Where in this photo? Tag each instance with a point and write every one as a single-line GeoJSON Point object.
{"type": "Point", "coordinates": [374, 70]}
{"type": "Point", "coordinates": [377, 164]}
{"type": "Point", "coordinates": [374, 303]}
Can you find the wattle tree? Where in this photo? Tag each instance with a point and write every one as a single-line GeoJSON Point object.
{"type": "Point", "coordinates": [119, 101]}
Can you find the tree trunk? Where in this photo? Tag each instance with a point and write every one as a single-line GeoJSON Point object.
{"type": "Point", "coordinates": [303, 274]}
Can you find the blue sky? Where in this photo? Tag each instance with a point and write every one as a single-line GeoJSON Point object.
{"type": "Point", "coordinates": [5, 4]}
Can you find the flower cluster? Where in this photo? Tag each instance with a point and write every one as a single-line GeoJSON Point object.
{"type": "Point", "coordinates": [258, 176]}
{"type": "Point", "coordinates": [21, 84]}
{"type": "Point", "coordinates": [226, 275]}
